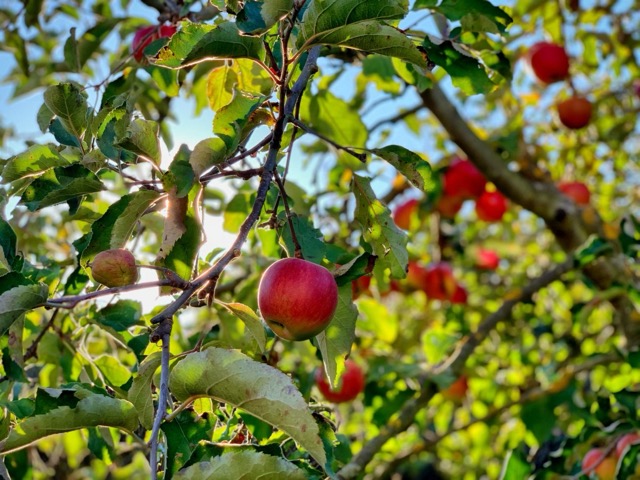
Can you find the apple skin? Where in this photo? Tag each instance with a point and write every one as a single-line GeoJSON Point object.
{"type": "Point", "coordinates": [462, 179]}
{"type": "Point", "coordinates": [114, 268]}
{"type": "Point", "coordinates": [457, 390]}
{"type": "Point", "coordinates": [459, 295]}
{"type": "Point", "coordinates": [297, 298]}
{"type": "Point", "coordinates": [449, 206]}
{"type": "Point", "coordinates": [487, 259]}
{"type": "Point", "coordinates": [439, 282]}
{"type": "Point", "coordinates": [360, 286]}
{"type": "Point", "coordinates": [145, 35]}
{"type": "Point", "coordinates": [549, 62]}
{"type": "Point", "coordinates": [577, 191]}
{"type": "Point", "coordinates": [402, 215]}
{"type": "Point", "coordinates": [574, 112]}
{"type": "Point", "coordinates": [351, 383]}
{"type": "Point", "coordinates": [625, 441]}
{"type": "Point", "coordinates": [596, 461]}
{"type": "Point", "coordinates": [491, 206]}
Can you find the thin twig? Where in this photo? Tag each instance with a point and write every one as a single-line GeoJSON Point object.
{"type": "Point", "coordinates": [72, 300]}
{"type": "Point", "coordinates": [162, 405]}
{"type": "Point", "coordinates": [297, 252]}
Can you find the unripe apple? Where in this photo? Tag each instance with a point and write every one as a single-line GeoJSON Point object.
{"type": "Point", "coordinates": [577, 191]}
{"type": "Point", "coordinates": [491, 206]}
{"type": "Point", "coordinates": [114, 268]}
{"type": "Point", "coordinates": [439, 282]}
{"type": "Point", "coordinates": [448, 206]}
{"type": "Point", "coordinates": [625, 441]}
{"type": "Point", "coordinates": [404, 212]}
{"type": "Point", "coordinates": [574, 112]}
{"type": "Point", "coordinates": [350, 384]}
{"type": "Point", "coordinates": [463, 179]}
{"type": "Point", "coordinates": [297, 298]}
{"type": "Point", "coordinates": [487, 259]}
{"type": "Point", "coordinates": [145, 35]}
{"type": "Point", "coordinates": [457, 390]}
{"type": "Point", "coordinates": [549, 62]}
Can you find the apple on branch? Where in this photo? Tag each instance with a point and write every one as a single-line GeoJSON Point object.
{"type": "Point", "coordinates": [548, 61]}
{"type": "Point", "coordinates": [351, 383]}
{"type": "Point", "coordinates": [114, 268]}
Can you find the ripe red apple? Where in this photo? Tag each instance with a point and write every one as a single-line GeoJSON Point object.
{"type": "Point", "coordinates": [403, 214]}
{"type": "Point", "coordinates": [145, 35]}
{"type": "Point", "coordinates": [350, 385]}
{"type": "Point", "coordinates": [457, 390]}
{"type": "Point", "coordinates": [360, 286]}
{"type": "Point", "coordinates": [448, 206]}
{"type": "Point", "coordinates": [491, 206]}
{"type": "Point", "coordinates": [625, 441]}
{"type": "Point", "coordinates": [297, 298]}
{"type": "Point", "coordinates": [114, 268]}
{"type": "Point", "coordinates": [416, 275]}
{"type": "Point", "coordinates": [549, 62]}
{"type": "Point", "coordinates": [487, 259]}
{"type": "Point", "coordinates": [459, 295]}
{"type": "Point", "coordinates": [462, 179]}
{"type": "Point", "coordinates": [574, 112]}
{"type": "Point", "coordinates": [439, 282]}
{"type": "Point", "coordinates": [577, 191]}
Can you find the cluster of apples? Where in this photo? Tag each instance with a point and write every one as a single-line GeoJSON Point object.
{"type": "Point", "coordinates": [604, 466]}
{"type": "Point", "coordinates": [550, 63]}
{"type": "Point", "coordinates": [461, 181]}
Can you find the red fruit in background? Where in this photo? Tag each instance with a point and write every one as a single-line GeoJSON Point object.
{"type": "Point", "coordinates": [145, 35]}
{"type": "Point", "coordinates": [487, 259]}
{"type": "Point", "coordinates": [114, 268]}
{"type": "Point", "coordinates": [549, 62]}
{"type": "Point", "coordinates": [577, 191]}
{"type": "Point", "coordinates": [360, 286]}
{"type": "Point", "coordinates": [462, 179]}
{"type": "Point", "coordinates": [297, 298]}
{"type": "Point", "coordinates": [625, 441]}
{"type": "Point", "coordinates": [402, 215]}
{"type": "Point", "coordinates": [448, 206]}
{"type": "Point", "coordinates": [592, 460]}
{"type": "Point", "coordinates": [457, 390]}
{"type": "Point", "coordinates": [636, 87]}
{"type": "Point", "coordinates": [416, 275]}
{"type": "Point", "coordinates": [350, 385]}
{"type": "Point", "coordinates": [439, 282]}
{"type": "Point", "coordinates": [574, 112]}
{"type": "Point", "coordinates": [459, 295]}
{"type": "Point", "coordinates": [491, 206]}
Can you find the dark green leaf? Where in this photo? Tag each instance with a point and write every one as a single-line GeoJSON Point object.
{"type": "Point", "coordinates": [37, 159]}
{"type": "Point", "coordinates": [310, 238]}
{"type": "Point", "coordinates": [7, 243]}
{"type": "Point", "coordinates": [516, 466]}
{"type": "Point", "coordinates": [120, 315]}
{"type": "Point", "coordinates": [256, 17]}
{"type": "Point", "coordinates": [69, 103]}
{"type": "Point", "coordinates": [141, 138]}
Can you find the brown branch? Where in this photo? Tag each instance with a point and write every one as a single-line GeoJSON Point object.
{"type": "Point", "coordinates": [71, 301]}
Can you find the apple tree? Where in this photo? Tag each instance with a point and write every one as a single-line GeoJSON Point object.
{"type": "Point", "coordinates": [405, 247]}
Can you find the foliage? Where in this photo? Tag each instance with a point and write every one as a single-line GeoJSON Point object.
{"type": "Point", "coordinates": [326, 115]}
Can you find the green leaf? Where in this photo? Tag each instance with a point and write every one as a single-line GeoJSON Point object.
{"type": "Point", "coordinates": [166, 80]}
{"type": "Point", "coordinates": [388, 242]}
{"type": "Point", "coordinates": [140, 392]}
{"type": "Point", "coordinates": [37, 159]}
{"type": "Point", "coordinates": [180, 174]}
{"type": "Point", "coordinates": [310, 238]}
{"type": "Point", "coordinates": [91, 411]}
{"type": "Point", "coordinates": [220, 86]}
{"type": "Point", "coordinates": [476, 15]}
{"type": "Point", "coordinates": [256, 17]}
{"type": "Point", "coordinates": [236, 212]}
{"type": "Point", "coordinates": [59, 185]}
{"type": "Point", "coordinates": [78, 52]}
{"type": "Point", "coordinates": [120, 315]}
{"type": "Point", "coordinates": [114, 372]}
{"type": "Point", "coordinates": [18, 300]}
{"type": "Point", "coordinates": [8, 241]}
{"type": "Point", "coordinates": [114, 228]}
{"type": "Point", "coordinates": [516, 466]}
{"type": "Point", "coordinates": [335, 342]}
{"type": "Point", "coordinates": [206, 154]}
{"type": "Point", "coordinates": [44, 117]}
{"type": "Point", "coordinates": [245, 464]}
{"type": "Point", "coordinates": [231, 119]}
{"type": "Point", "coordinates": [263, 391]}
{"type": "Point", "coordinates": [466, 72]}
{"type": "Point", "coordinates": [69, 104]}
{"type": "Point", "coordinates": [195, 43]}
{"type": "Point", "coordinates": [254, 327]}
{"type": "Point", "coordinates": [61, 135]}
{"type": "Point", "coordinates": [142, 138]}
{"type": "Point", "coordinates": [410, 164]}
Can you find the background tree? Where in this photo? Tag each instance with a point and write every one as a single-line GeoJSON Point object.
{"type": "Point", "coordinates": [465, 171]}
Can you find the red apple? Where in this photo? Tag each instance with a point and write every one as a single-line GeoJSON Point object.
{"type": "Point", "coordinates": [145, 35]}
{"type": "Point", "coordinates": [297, 298]}
{"type": "Point", "coordinates": [439, 282]}
{"type": "Point", "coordinates": [457, 390]}
{"type": "Point", "coordinates": [462, 179]}
{"type": "Point", "coordinates": [360, 286]}
{"type": "Point", "coordinates": [350, 385]}
{"type": "Point", "coordinates": [403, 214]}
{"type": "Point", "coordinates": [416, 275]}
{"type": "Point", "coordinates": [448, 206]}
{"type": "Point", "coordinates": [596, 461]}
{"type": "Point", "coordinates": [114, 268]}
{"type": "Point", "coordinates": [577, 191]}
{"type": "Point", "coordinates": [549, 62]}
{"type": "Point", "coordinates": [491, 206]}
{"type": "Point", "coordinates": [487, 259]}
{"type": "Point", "coordinates": [574, 112]}
{"type": "Point", "coordinates": [625, 441]}
{"type": "Point", "coordinates": [459, 295]}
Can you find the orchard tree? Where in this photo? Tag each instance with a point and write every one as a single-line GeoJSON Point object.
{"type": "Point", "coordinates": [433, 270]}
